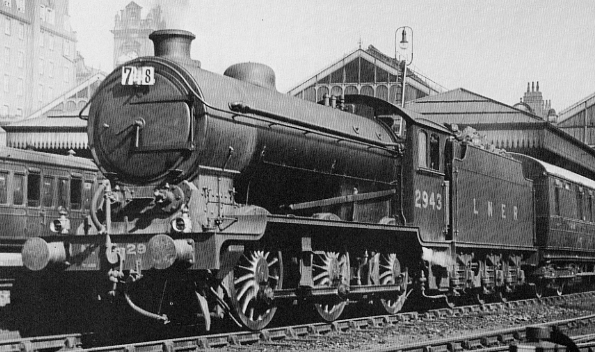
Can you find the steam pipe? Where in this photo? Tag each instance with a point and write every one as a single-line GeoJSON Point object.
{"type": "Point", "coordinates": [143, 312]}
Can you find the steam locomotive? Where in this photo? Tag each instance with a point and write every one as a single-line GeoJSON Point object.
{"type": "Point", "coordinates": [227, 199]}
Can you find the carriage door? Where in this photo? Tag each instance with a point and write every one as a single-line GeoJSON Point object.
{"type": "Point", "coordinates": [430, 190]}
{"type": "Point", "coordinates": [35, 215]}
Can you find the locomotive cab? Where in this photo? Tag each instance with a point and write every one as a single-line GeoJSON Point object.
{"type": "Point", "coordinates": [427, 184]}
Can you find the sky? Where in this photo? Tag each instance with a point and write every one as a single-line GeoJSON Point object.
{"type": "Point", "coordinates": [490, 47]}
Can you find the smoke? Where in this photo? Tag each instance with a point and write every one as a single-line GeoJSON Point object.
{"type": "Point", "coordinates": [176, 13]}
{"type": "Point", "coordinates": [436, 258]}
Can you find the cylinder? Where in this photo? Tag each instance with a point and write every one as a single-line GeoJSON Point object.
{"type": "Point", "coordinates": [165, 251]}
{"type": "Point", "coordinates": [37, 254]}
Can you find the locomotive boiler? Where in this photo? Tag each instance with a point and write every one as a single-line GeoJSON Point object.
{"type": "Point", "coordinates": [225, 198]}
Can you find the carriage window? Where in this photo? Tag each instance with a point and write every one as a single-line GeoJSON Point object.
{"type": "Point", "coordinates": [18, 197]}
{"type": "Point", "coordinates": [63, 192]}
{"type": "Point", "coordinates": [47, 191]}
{"type": "Point", "coordinates": [87, 194]}
{"type": "Point", "coordinates": [579, 204]}
{"type": "Point", "coordinates": [434, 151]}
{"type": "Point", "coordinates": [422, 149]}
{"type": "Point", "coordinates": [76, 186]}
{"type": "Point", "coordinates": [3, 187]}
{"type": "Point", "coordinates": [33, 190]}
{"type": "Point", "coordinates": [557, 200]}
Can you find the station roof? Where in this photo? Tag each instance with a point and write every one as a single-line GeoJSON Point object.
{"type": "Point", "coordinates": [56, 125]}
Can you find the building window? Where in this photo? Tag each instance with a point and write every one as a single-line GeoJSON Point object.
{"type": "Point", "coordinates": [8, 3]}
{"type": "Point", "coordinates": [6, 84]}
{"type": "Point", "coordinates": [6, 56]}
{"type": "Point", "coordinates": [19, 112]}
{"type": "Point", "coordinates": [42, 39]}
{"type": "Point", "coordinates": [40, 92]}
{"type": "Point", "coordinates": [66, 73]}
{"type": "Point", "coordinates": [51, 69]}
{"type": "Point", "coordinates": [51, 42]}
{"type": "Point", "coordinates": [51, 16]}
{"type": "Point", "coordinates": [21, 6]}
{"type": "Point", "coordinates": [41, 66]}
{"type": "Point", "coordinates": [21, 59]}
{"type": "Point", "coordinates": [7, 26]}
{"type": "Point", "coordinates": [321, 93]}
{"type": "Point", "coordinates": [50, 95]}
{"type": "Point", "coordinates": [5, 110]}
{"type": "Point", "coordinates": [42, 12]}
{"type": "Point", "coordinates": [20, 87]}
{"type": "Point", "coordinates": [66, 48]}
{"type": "Point", "coordinates": [21, 31]}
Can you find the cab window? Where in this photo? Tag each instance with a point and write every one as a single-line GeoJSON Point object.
{"type": "Point", "coordinates": [434, 151]}
{"type": "Point", "coordinates": [429, 151]}
{"type": "Point", "coordinates": [422, 149]}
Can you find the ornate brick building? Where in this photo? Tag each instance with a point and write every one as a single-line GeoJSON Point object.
{"type": "Point", "coordinates": [37, 55]}
{"type": "Point", "coordinates": [532, 102]}
{"type": "Point", "coordinates": [131, 32]}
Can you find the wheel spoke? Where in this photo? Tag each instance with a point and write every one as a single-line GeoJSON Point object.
{"type": "Point", "coordinates": [386, 274]}
{"type": "Point", "coordinates": [273, 262]}
{"type": "Point", "coordinates": [244, 278]}
{"type": "Point", "coordinates": [257, 272]}
{"type": "Point", "coordinates": [389, 270]}
{"type": "Point", "coordinates": [244, 289]}
{"type": "Point", "coordinates": [330, 269]}
{"type": "Point", "coordinates": [319, 276]}
{"type": "Point", "coordinates": [245, 268]}
{"type": "Point", "coordinates": [246, 302]}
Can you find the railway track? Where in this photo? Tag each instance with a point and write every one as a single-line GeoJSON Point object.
{"type": "Point", "coordinates": [292, 336]}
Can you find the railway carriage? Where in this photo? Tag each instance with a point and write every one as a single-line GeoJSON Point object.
{"type": "Point", "coordinates": [36, 189]}
{"type": "Point", "coordinates": [225, 198]}
{"type": "Point", "coordinates": [565, 225]}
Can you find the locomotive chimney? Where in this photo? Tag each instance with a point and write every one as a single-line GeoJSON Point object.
{"type": "Point", "coordinates": [173, 44]}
